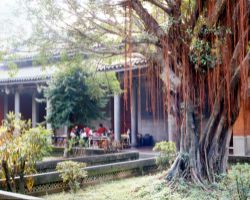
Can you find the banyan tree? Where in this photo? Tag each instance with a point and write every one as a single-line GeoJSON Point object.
{"type": "Point", "coordinates": [199, 48]}
{"type": "Point", "coordinates": [204, 57]}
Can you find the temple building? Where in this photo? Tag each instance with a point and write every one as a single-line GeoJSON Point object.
{"type": "Point", "coordinates": [142, 109]}
{"type": "Point", "coordinates": [139, 110]}
{"type": "Point", "coordinates": [21, 90]}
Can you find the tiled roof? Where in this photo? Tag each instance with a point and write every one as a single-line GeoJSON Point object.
{"type": "Point", "coordinates": [136, 64]}
{"type": "Point", "coordinates": [28, 71]}
{"type": "Point", "coordinates": [26, 75]}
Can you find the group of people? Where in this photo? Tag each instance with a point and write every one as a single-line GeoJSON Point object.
{"type": "Point", "coordinates": [86, 132]}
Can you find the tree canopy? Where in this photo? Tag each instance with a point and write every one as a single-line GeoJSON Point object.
{"type": "Point", "coordinates": [78, 94]}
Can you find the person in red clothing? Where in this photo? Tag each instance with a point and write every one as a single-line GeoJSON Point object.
{"type": "Point", "coordinates": [87, 130]}
{"type": "Point", "coordinates": [101, 130]}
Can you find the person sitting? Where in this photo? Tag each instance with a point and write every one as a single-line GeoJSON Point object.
{"type": "Point", "coordinates": [101, 130]}
{"type": "Point", "coordinates": [73, 133]}
{"type": "Point", "coordinates": [125, 139]}
{"type": "Point", "coordinates": [85, 134]}
{"type": "Point", "coordinates": [88, 131]}
{"type": "Point", "coordinates": [110, 134]}
{"type": "Point", "coordinates": [77, 131]}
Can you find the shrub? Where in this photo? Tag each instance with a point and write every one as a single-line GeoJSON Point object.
{"type": "Point", "coordinates": [237, 182]}
{"type": "Point", "coordinates": [72, 173]}
{"type": "Point", "coordinates": [167, 154]}
{"type": "Point", "coordinates": [21, 147]}
{"type": "Point", "coordinates": [82, 142]}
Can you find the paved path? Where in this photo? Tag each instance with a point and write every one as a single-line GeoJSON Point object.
{"type": "Point", "coordinates": [145, 152]}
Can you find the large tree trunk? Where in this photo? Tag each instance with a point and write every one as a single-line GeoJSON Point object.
{"type": "Point", "coordinates": [202, 156]}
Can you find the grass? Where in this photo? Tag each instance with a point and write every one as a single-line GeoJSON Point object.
{"type": "Point", "coordinates": [235, 185]}
{"type": "Point", "coordinates": [151, 187]}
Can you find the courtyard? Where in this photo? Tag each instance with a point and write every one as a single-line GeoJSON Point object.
{"type": "Point", "coordinates": [125, 99]}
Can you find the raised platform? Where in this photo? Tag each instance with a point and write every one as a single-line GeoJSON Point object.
{"type": "Point", "coordinates": [238, 159]}
{"type": "Point", "coordinates": [100, 168]}
{"type": "Point", "coordinates": [47, 166]}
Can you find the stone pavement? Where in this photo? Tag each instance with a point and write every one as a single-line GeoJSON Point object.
{"type": "Point", "coordinates": [144, 152]}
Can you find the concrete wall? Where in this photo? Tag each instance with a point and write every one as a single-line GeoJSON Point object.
{"type": "Point", "coordinates": [241, 132]}
{"type": "Point", "coordinates": [248, 145]}
{"type": "Point", "coordinates": [150, 122]}
{"type": "Point", "coordinates": [157, 128]}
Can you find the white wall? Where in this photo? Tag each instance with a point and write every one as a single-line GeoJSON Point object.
{"type": "Point", "coordinates": [156, 128]}
{"type": "Point", "coordinates": [240, 145]}
{"type": "Point", "coordinates": [147, 123]}
{"type": "Point", "coordinates": [248, 145]}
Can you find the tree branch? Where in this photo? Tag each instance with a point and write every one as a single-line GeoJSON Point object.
{"type": "Point", "coordinates": [150, 23]}
{"type": "Point", "coordinates": [161, 6]}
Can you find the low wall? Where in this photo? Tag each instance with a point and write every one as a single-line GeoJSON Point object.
{"type": "Point", "coordinates": [78, 151]}
{"type": "Point", "coordinates": [47, 166]}
{"type": "Point", "coordinates": [51, 182]}
{"type": "Point", "coordinates": [12, 195]}
{"type": "Point", "coordinates": [238, 159]}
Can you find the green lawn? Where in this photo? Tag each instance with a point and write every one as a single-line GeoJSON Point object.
{"type": "Point", "coordinates": [152, 187]}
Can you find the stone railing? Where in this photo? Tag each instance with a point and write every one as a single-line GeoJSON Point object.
{"type": "Point", "coordinates": [11, 195]}
{"type": "Point", "coordinates": [51, 182]}
{"type": "Point", "coordinates": [47, 166]}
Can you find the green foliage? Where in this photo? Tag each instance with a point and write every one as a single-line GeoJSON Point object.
{"type": "Point", "coordinates": [72, 173]}
{"type": "Point", "coordinates": [203, 53]}
{"type": "Point", "coordinates": [2, 54]}
{"type": "Point", "coordinates": [237, 182]}
{"type": "Point", "coordinates": [13, 69]}
{"type": "Point", "coordinates": [72, 143]}
{"type": "Point", "coordinates": [82, 142]}
{"type": "Point", "coordinates": [22, 146]}
{"type": "Point", "coordinates": [41, 59]}
{"type": "Point", "coordinates": [77, 95]}
{"type": "Point", "coordinates": [167, 154]}
{"type": "Point", "coordinates": [38, 139]}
